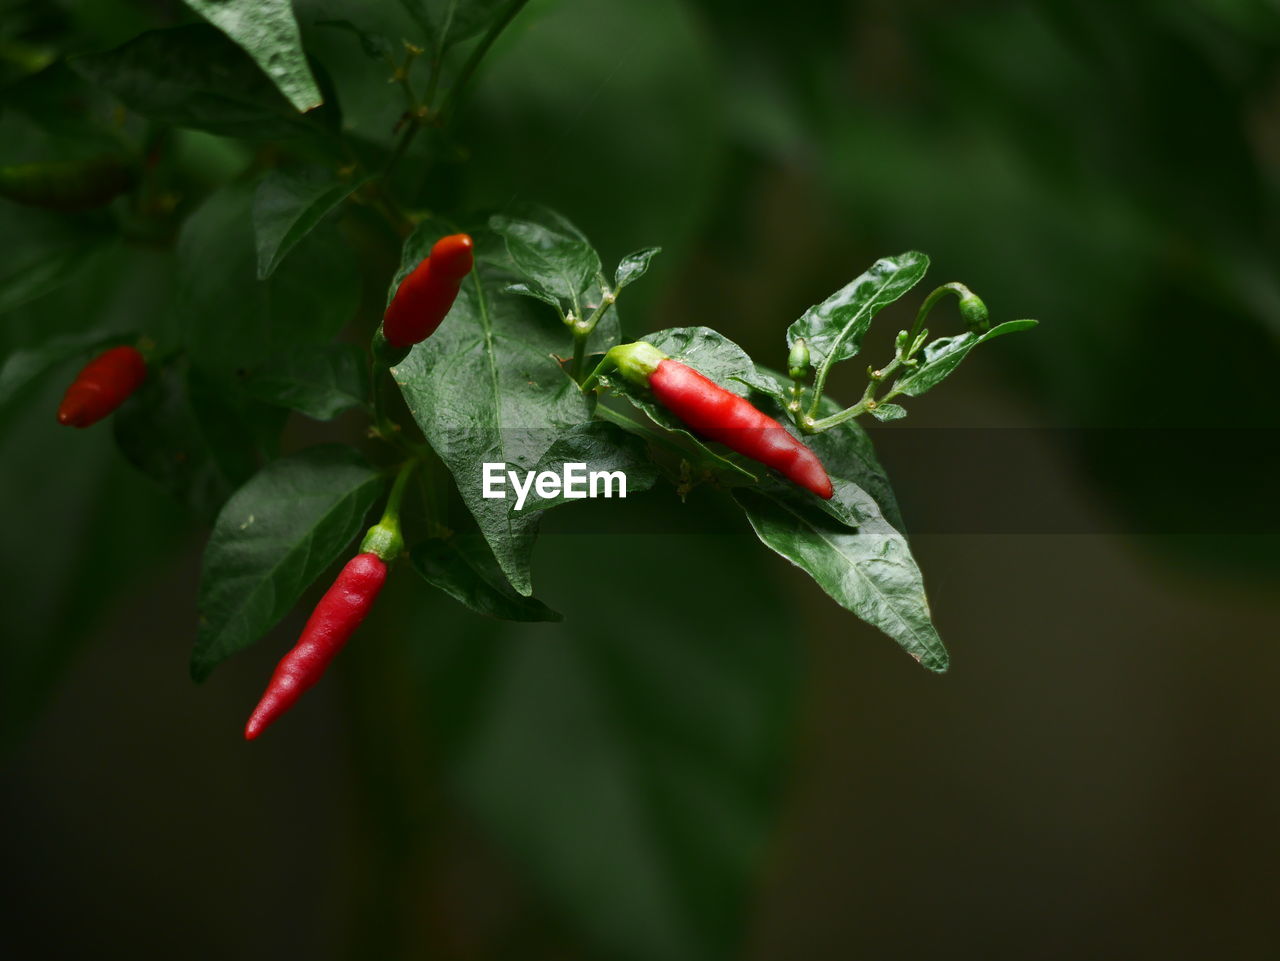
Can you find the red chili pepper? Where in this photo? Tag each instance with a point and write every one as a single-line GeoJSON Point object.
{"type": "Point", "coordinates": [102, 385]}
{"type": "Point", "coordinates": [424, 297]}
{"type": "Point", "coordinates": [337, 615]}
{"type": "Point", "coordinates": [721, 415]}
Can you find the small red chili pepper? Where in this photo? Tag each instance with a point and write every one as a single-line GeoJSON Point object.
{"type": "Point", "coordinates": [338, 614]}
{"type": "Point", "coordinates": [102, 385]}
{"type": "Point", "coordinates": [333, 621]}
{"type": "Point", "coordinates": [721, 415]}
{"type": "Point", "coordinates": [424, 297]}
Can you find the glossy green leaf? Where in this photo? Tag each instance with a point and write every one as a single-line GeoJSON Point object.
{"type": "Point", "coordinates": [463, 567]}
{"type": "Point", "coordinates": [868, 570]}
{"type": "Point", "coordinates": [888, 412]}
{"type": "Point", "coordinates": [194, 76]}
{"type": "Point", "coordinates": [276, 535]}
{"type": "Point", "coordinates": [834, 328]}
{"type": "Point", "coordinates": [633, 266]}
{"type": "Point", "coordinates": [189, 437]}
{"type": "Point", "coordinates": [268, 32]}
{"type": "Point", "coordinates": [288, 205]}
{"type": "Point", "coordinates": [598, 448]}
{"type": "Point", "coordinates": [531, 288]}
{"type": "Point", "coordinates": [943, 356]}
{"type": "Point", "coordinates": [232, 320]}
{"type": "Point", "coordinates": [321, 382]}
{"type": "Point", "coordinates": [550, 251]}
{"type": "Point", "coordinates": [486, 388]}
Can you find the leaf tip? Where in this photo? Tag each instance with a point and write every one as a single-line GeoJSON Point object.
{"type": "Point", "coordinates": [938, 663]}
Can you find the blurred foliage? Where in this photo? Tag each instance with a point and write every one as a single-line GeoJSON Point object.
{"type": "Point", "coordinates": [1110, 168]}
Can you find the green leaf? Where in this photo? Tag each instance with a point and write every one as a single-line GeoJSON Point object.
{"type": "Point", "coordinates": [375, 45]}
{"type": "Point", "coordinates": [194, 76]}
{"type": "Point", "coordinates": [276, 535]}
{"type": "Point", "coordinates": [486, 388]}
{"type": "Point", "coordinates": [464, 568]}
{"type": "Point", "coordinates": [449, 22]}
{"type": "Point", "coordinates": [321, 382]}
{"type": "Point", "coordinates": [868, 570]}
{"type": "Point", "coordinates": [943, 356]}
{"type": "Point", "coordinates": [598, 447]}
{"type": "Point", "coordinates": [550, 251]}
{"type": "Point", "coordinates": [633, 266]}
{"type": "Point", "coordinates": [267, 31]}
{"type": "Point", "coordinates": [188, 436]}
{"type": "Point", "coordinates": [834, 328]}
{"type": "Point", "coordinates": [23, 367]}
{"type": "Point", "coordinates": [887, 412]}
{"type": "Point", "coordinates": [231, 320]}
{"type": "Point", "coordinates": [531, 288]}
{"type": "Point", "coordinates": [288, 205]}
{"type": "Point", "coordinates": [40, 272]}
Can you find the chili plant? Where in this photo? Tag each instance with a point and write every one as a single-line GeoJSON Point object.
{"type": "Point", "coordinates": [519, 362]}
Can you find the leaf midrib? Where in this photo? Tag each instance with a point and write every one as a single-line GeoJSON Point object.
{"type": "Point", "coordinates": [844, 332]}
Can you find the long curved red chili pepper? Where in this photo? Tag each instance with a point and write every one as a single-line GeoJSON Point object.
{"type": "Point", "coordinates": [102, 385]}
{"type": "Point", "coordinates": [331, 624]}
{"type": "Point", "coordinates": [721, 415]}
{"type": "Point", "coordinates": [424, 297]}
{"type": "Point", "coordinates": [338, 614]}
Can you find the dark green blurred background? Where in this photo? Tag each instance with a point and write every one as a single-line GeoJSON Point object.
{"type": "Point", "coordinates": [738, 769]}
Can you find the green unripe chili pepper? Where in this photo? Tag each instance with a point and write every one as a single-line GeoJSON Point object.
{"type": "Point", "coordinates": [798, 360]}
{"type": "Point", "coordinates": [68, 186]}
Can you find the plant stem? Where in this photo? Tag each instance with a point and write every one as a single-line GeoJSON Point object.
{"type": "Point", "coordinates": [579, 352]}
{"type": "Point", "coordinates": [605, 362]}
{"type": "Point", "coordinates": [972, 309]}
{"type": "Point", "coordinates": [433, 79]}
{"type": "Point", "coordinates": [819, 384]}
{"type": "Point", "coordinates": [391, 513]}
{"type": "Point", "coordinates": [402, 145]}
{"type": "Point", "coordinates": [477, 55]}
{"type": "Point", "coordinates": [868, 401]}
